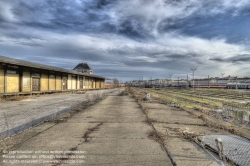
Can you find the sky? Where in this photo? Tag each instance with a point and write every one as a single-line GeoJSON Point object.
{"type": "Point", "coordinates": [130, 39]}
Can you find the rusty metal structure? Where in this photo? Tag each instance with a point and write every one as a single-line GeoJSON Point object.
{"type": "Point", "coordinates": [229, 147]}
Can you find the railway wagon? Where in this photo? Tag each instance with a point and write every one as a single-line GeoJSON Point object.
{"type": "Point", "coordinates": [239, 86]}
{"type": "Point", "coordinates": [210, 86]}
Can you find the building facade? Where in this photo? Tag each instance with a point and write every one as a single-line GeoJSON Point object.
{"type": "Point", "coordinates": [23, 76]}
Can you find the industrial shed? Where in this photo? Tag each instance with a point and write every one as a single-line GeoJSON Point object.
{"type": "Point", "coordinates": [17, 76]}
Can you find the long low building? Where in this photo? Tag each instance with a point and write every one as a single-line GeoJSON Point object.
{"type": "Point", "coordinates": [23, 76]}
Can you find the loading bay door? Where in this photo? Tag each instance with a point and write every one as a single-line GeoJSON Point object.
{"type": "Point", "coordinates": [35, 84]}
{"type": "Point", "coordinates": [81, 84]}
{"type": "Point", "coordinates": [74, 82]}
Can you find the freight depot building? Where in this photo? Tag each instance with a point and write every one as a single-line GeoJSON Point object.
{"type": "Point", "coordinates": [18, 76]}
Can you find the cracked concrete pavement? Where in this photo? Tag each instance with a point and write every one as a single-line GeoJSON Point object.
{"type": "Point", "coordinates": [117, 131]}
{"type": "Point", "coordinates": [113, 131]}
{"type": "Point", "coordinates": [168, 121]}
{"type": "Point", "coordinates": [26, 110]}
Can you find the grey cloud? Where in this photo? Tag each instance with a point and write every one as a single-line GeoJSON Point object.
{"type": "Point", "coordinates": [234, 59]}
{"type": "Point", "coordinates": [29, 44]}
{"type": "Point", "coordinates": [241, 58]}
{"type": "Point", "coordinates": [217, 59]}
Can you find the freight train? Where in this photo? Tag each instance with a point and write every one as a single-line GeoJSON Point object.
{"type": "Point", "coordinates": [184, 85]}
{"type": "Point", "coordinates": [225, 86]}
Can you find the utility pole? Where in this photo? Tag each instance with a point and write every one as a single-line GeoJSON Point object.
{"type": "Point", "coordinates": [193, 69]}
{"type": "Point", "coordinates": [222, 74]}
{"type": "Point", "coordinates": [187, 82]}
{"type": "Point", "coordinates": [170, 77]}
{"type": "Point", "coordinates": [198, 83]}
{"type": "Point", "coordinates": [178, 82]}
{"type": "Point", "coordinates": [142, 84]}
{"type": "Point", "coordinates": [236, 84]}
{"type": "Point", "coordinates": [208, 80]}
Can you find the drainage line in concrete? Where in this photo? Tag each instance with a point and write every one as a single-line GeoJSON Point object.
{"type": "Point", "coordinates": [164, 146]}
{"type": "Point", "coordinates": [162, 141]}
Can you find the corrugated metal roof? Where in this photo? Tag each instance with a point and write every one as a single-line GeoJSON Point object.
{"type": "Point", "coordinates": [82, 66]}
{"type": "Point", "coordinates": [19, 62]}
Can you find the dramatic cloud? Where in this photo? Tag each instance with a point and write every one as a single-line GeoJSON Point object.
{"type": "Point", "coordinates": [234, 59]}
{"type": "Point", "coordinates": [130, 39]}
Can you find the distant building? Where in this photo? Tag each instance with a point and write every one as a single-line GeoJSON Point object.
{"type": "Point", "coordinates": [83, 68]}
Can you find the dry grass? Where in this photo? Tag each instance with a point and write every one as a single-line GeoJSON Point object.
{"type": "Point", "coordinates": [201, 112]}
{"type": "Point", "coordinates": [14, 98]}
{"type": "Point", "coordinates": [185, 133]}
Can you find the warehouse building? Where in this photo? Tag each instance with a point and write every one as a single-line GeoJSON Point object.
{"type": "Point", "coordinates": [17, 76]}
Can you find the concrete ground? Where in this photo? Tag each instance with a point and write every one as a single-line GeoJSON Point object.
{"type": "Point", "coordinates": [112, 132]}
{"type": "Point", "coordinates": [117, 131]}
{"type": "Point", "coordinates": [169, 122]}
{"type": "Point", "coordinates": [15, 113]}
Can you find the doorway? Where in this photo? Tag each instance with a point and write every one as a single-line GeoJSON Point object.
{"type": "Point", "coordinates": [64, 83]}
{"type": "Point", "coordinates": [81, 84]}
{"type": "Point", "coordinates": [35, 84]}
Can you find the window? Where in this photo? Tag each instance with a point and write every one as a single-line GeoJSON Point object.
{"type": "Point", "coordinates": [25, 81]}
{"type": "Point", "coordinates": [65, 77]}
{"type": "Point", "coordinates": [12, 72]}
{"type": "Point", "coordinates": [12, 66]}
{"type": "Point", "coordinates": [35, 74]}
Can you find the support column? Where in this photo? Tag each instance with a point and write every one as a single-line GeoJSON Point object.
{"type": "Point", "coordinates": [5, 78]}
